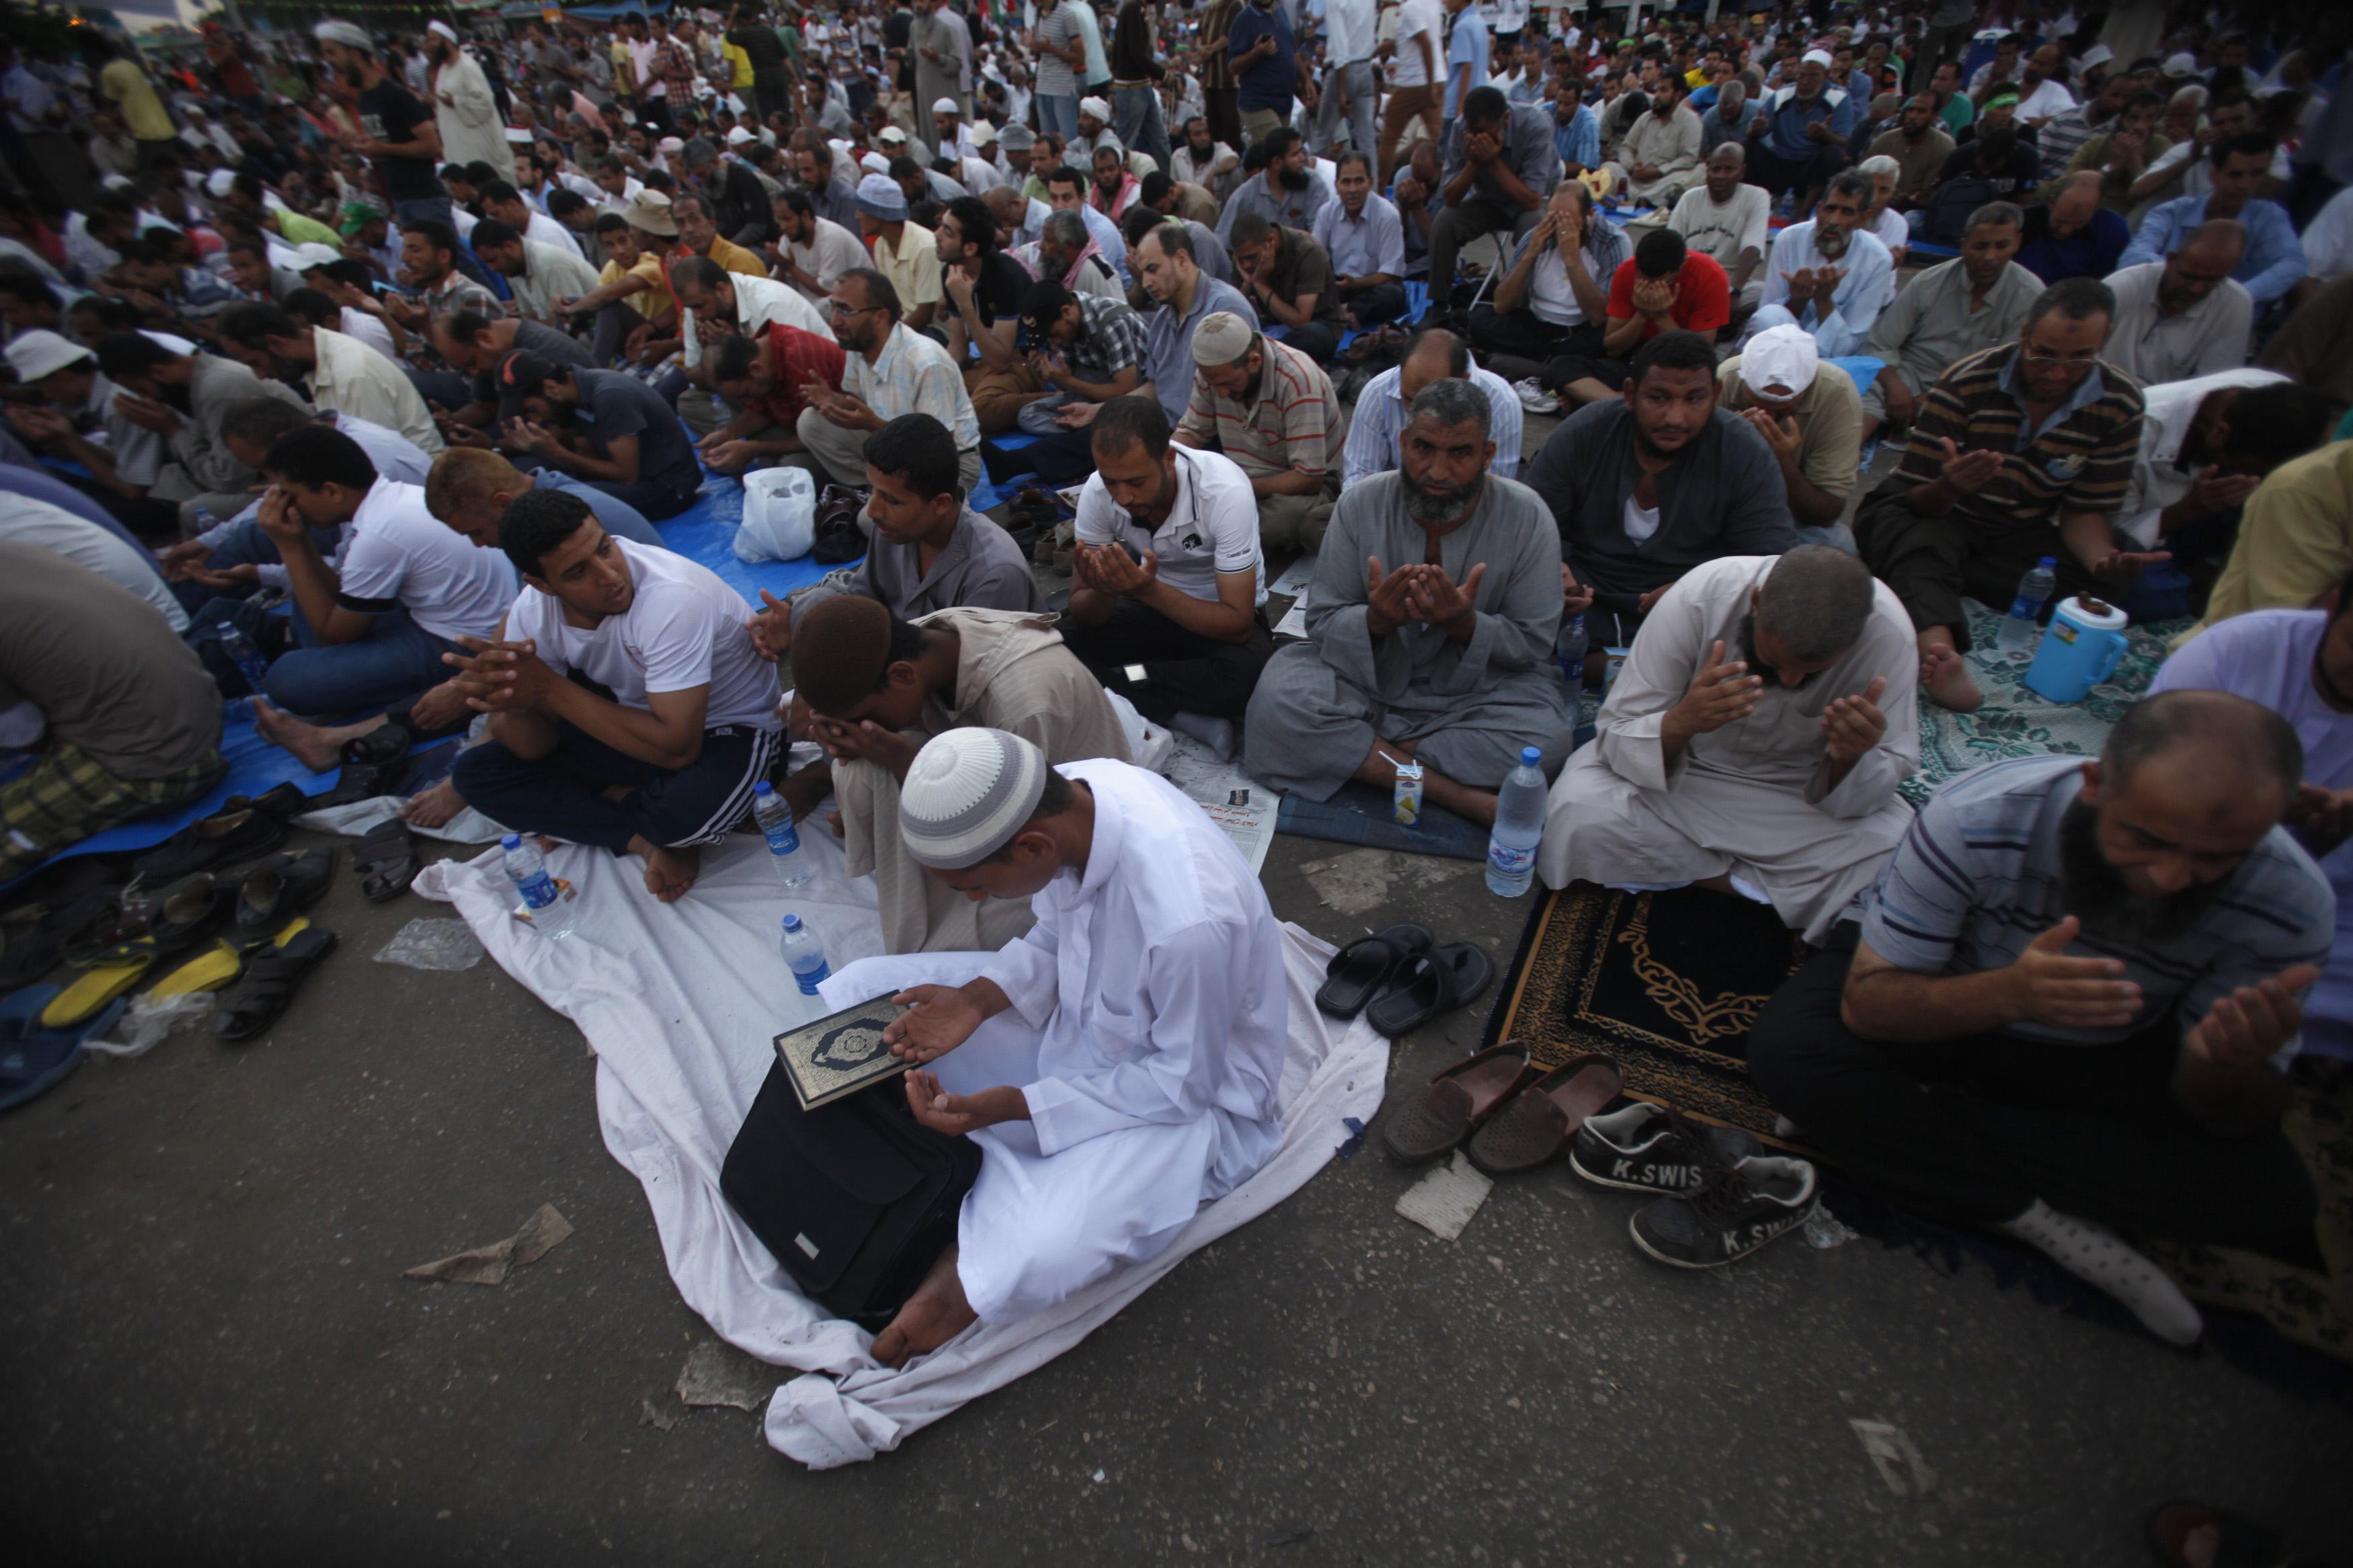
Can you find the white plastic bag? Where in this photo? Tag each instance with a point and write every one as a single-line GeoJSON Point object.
{"type": "Point", "coordinates": [779, 515]}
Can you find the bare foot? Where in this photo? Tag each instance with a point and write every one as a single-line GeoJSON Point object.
{"type": "Point", "coordinates": [670, 872]}
{"type": "Point", "coordinates": [432, 807]}
{"type": "Point", "coordinates": [315, 746]}
{"type": "Point", "coordinates": [1945, 677]}
{"type": "Point", "coordinates": [936, 1313]}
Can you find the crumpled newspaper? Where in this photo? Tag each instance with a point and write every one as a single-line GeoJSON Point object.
{"type": "Point", "coordinates": [489, 1265]}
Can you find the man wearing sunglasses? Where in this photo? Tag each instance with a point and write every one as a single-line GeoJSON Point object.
{"type": "Point", "coordinates": [2020, 451]}
{"type": "Point", "coordinates": [890, 371]}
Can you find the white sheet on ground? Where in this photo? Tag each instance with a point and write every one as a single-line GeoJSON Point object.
{"type": "Point", "coordinates": [356, 816]}
{"type": "Point", "coordinates": [680, 1002]}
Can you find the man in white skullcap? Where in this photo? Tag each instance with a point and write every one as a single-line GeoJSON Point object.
{"type": "Point", "coordinates": [463, 107]}
{"type": "Point", "coordinates": [950, 137]}
{"type": "Point", "coordinates": [1094, 131]}
{"type": "Point", "coordinates": [1118, 1066]}
{"type": "Point", "coordinates": [1812, 420]}
{"type": "Point", "coordinates": [943, 46]}
{"type": "Point", "coordinates": [1744, 746]}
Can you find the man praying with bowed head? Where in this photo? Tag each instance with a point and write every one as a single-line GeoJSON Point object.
{"type": "Point", "coordinates": [1753, 742]}
{"type": "Point", "coordinates": [1430, 628]}
{"type": "Point", "coordinates": [2068, 1002]}
{"type": "Point", "coordinates": [1119, 1064]}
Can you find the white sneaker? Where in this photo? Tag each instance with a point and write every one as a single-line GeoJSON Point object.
{"type": "Point", "coordinates": [1535, 398]}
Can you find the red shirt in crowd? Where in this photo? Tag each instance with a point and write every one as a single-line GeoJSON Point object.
{"type": "Point", "coordinates": [1702, 295]}
{"type": "Point", "coordinates": [800, 358]}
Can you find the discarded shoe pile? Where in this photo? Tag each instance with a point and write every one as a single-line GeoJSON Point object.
{"type": "Point", "coordinates": [212, 908]}
{"type": "Point", "coordinates": [1717, 1195]}
{"type": "Point", "coordinates": [1401, 979]}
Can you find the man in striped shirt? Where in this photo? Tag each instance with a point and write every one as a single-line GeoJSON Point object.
{"type": "Point", "coordinates": [2071, 994]}
{"type": "Point", "coordinates": [2021, 451]}
{"type": "Point", "coordinates": [1272, 410]}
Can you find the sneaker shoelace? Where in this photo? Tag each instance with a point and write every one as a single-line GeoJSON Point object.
{"type": "Point", "coordinates": [1721, 1196]}
{"type": "Point", "coordinates": [1695, 1135]}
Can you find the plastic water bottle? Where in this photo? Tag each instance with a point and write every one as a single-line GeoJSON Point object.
{"type": "Point", "coordinates": [1568, 653]}
{"type": "Point", "coordinates": [244, 656]}
{"type": "Point", "coordinates": [2018, 627]}
{"type": "Point", "coordinates": [1519, 827]}
{"type": "Point", "coordinates": [804, 956]}
{"type": "Point", "coordinates": [205, 522]}
{"type": "Point", "coordinates": [542, 900]}
{"type": "Point", "coordinates": [775, 819]}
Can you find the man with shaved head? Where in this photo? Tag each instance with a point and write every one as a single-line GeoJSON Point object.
{"type": "Point", "coordinates": [2186, 315]}
{"type": "Point", "coordinates": [1744, 746]}
{"type": "Point", "coordinates": [2068, 1002]}
{"type": "Point", "coordinates": [2073, 236]}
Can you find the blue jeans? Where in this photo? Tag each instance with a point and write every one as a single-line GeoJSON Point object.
{"type": "Point", "coordinates": [1138, 121]}
{"type": "Point", "coordinates": [435, 209]}
{"type": "Point", "coordinates": [1059, 114]}
{"type": "Point", "coordinates": [395, 662]}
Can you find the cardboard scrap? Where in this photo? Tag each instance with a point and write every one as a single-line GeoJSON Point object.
{"type": "Point", "coordinates": [1442, 1202]}
{"type": "Point", "coordinates": [489, 1265]}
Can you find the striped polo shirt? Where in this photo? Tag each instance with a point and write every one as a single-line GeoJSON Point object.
{"type": "Point", "coordinates": [2081, 460]}
{"type": "Point", "coordinates": [1291, 420]}
{"type": "Point", "coordinates": [1978, 877]}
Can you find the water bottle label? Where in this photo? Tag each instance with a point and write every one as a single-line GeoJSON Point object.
{"type": "Point", "coordinates": [540, 891]}
{"type": "Point", "coordinates": [2025, 609]}
{"type": "Point", "coordinates": [809, 979]}
{"type": "Point", "coordinates": [1507, 861]}
{"type": "Point", "coordinates": [784, 839]}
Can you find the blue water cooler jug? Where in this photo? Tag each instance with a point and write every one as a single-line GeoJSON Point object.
{"type": "Point", "coordinates": [2080, 648]}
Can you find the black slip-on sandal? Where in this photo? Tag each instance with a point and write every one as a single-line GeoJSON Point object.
{"type": "Point", "coordinates": [385, 859]}
{"type": "Point", "coordinates": [1359, 971]}
{"type": "Point", "coordinates": [271, 977]}
{"type": "Point", "coordinates": [1432, 984]}
{"type": "Point", "coordinates": [279, 889]}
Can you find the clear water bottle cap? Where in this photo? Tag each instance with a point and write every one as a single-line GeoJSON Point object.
{"type": "Point", "coordinates": [1530, 756]}
{"type": "Point", "coordinates": [763, 787]}
{"type": "Point", "coordinates": [792, 922]}
{"type": "Point", "coordinates": [511, 841]}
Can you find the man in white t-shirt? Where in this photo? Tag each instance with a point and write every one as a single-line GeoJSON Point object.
{"type": "Point", "coordinates": [1416, 77]}
{"type": "Point", "coordinates": [1725, 217]}
{"type": "Point", "coordinates": [1167, 576]}
{"type": "Point", "coordinates": [620, 665]}
{"type": "Point", "coordinates": [372, 629]}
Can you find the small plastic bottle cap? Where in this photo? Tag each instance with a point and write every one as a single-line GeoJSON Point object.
{"type": "Point", "coordinates": [511, 841]}
{"type": "Point", "coordinates": [1530, 756]}
{"type": "Point", "coordinates": [763, 787]}
{"type": "Point", "coordinates": [2049, 560]}
{"type": "Point", "coordinates": [792, 922]}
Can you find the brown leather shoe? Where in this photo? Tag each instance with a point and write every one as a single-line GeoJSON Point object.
{"type": "Point", "coordinates": [1456, 1101]}
{"type": "Point", "coordinates": [1537, 1123]}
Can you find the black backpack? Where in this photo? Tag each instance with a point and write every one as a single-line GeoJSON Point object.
{"type": "Point", "coordinates": [857, 1199]}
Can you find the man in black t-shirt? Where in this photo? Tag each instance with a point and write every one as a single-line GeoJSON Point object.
{"type": "Point", "coordinates": [607, 428]}
{"type": "Point", "coordinates": [397, 134]}
{"type": "Point", "coordinates": [982, 289]}
{"type": "Point", "coordinates": [772, 80]}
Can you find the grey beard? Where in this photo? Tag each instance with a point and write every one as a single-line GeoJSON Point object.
{"type": "Point", "coordinates": [1430, 510]}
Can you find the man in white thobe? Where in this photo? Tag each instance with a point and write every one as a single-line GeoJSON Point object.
{"type": "Point", "coordinates": [464, 110]}
{"type": "Point", "coordinates": [1118, 1065]}
{"type": "Point", "coordinates": [1746, 746]}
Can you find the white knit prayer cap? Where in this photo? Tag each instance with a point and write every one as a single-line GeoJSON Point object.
{"type": "Point", "coordinates": [345, 34]}
{"type": "Point", "coordinates": [966, 793]}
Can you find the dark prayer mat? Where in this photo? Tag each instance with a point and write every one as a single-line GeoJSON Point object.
{"type": "Point", "coordinates": [1360, 814]}
{"type": "Point", "coordinates": [1668, 983]}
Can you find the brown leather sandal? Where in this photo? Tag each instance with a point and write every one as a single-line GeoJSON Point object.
{"type": "Point", "coordinates": [1537, 1123]}
{"type": "Point", "coordinates": [1457, 1100]}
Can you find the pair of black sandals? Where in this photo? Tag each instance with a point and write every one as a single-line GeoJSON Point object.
{"type": "Point", "coordinates": [1402, 978]}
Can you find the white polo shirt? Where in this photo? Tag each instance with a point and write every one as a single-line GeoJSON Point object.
{"type": "Point", "coordinates": [1212, 528]}
{"type": "Point", "coordinates": [685, 628]}
{"type": "Point", "coordinates": [401, 555]}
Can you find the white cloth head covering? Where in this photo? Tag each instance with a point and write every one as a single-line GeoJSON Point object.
{"type": "Point", "coordinates": [1095, 106]}
{"type": "Point", "coordinates": [2181, 65]}
{"type": "Point", "coordinates": [1220, 339]}
{"type": "Point", "coordinates": [220, 181]}
{"type": "Point", "coordinates": [443, 28]}
{"type": "Point", "coordinates": [945, 106]}
{"type": "Point", "coordinates": [891, 133]}
{"type": "Point", "coordinates": [966, 793]}
{"type": "Point", "coordinates": [345, 34]}
{"type": "Point", "coordinates": [39, 353]}
{"type": "Point", "coordinates": [880, 198]}
{"type": "Point", "coordinates": [313, 254]}
{"type": "Point", "coordinates": [874, 163]}
{"type": "Point", "coordinates": [1784, 357]}
{"type": "Point", "coordinates": [1816, 58]}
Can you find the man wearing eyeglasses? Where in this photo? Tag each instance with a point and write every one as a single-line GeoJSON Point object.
{"type": "Point", "coordinates": [890, 371]}
{"type": "Point", "coordinates": [2018, 452]}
